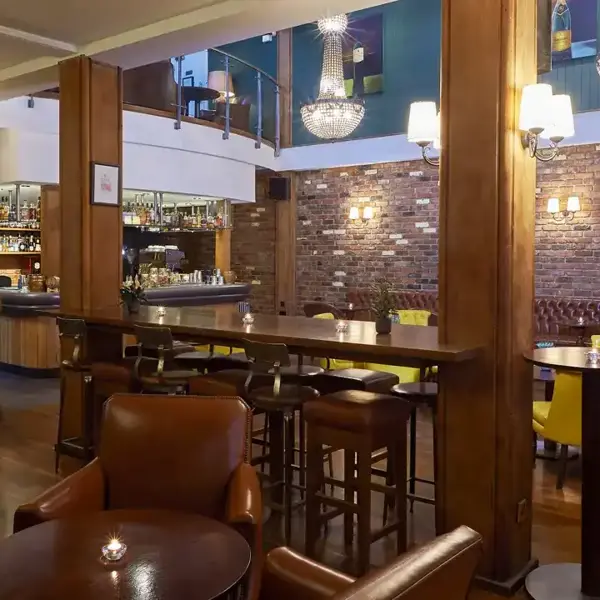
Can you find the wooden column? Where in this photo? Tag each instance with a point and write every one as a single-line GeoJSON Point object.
{"type": "Point", "coordinates": [223, 250]}
{"type": "Point", "coordinates": [50, 230]}
{"type": "Point", "coordinates": [91, 111]}
{"type": "Point", "coordinates": [487, 188]}
{"type": "Point", "coordinates": [285, 226]}
{"type": "Point", "coordinates": [90, 131]}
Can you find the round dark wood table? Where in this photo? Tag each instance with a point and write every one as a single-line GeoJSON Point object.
{"type": "Point", "coordinates": [170, 555]}
{"type": "Point", "coordinates": [570, 581]}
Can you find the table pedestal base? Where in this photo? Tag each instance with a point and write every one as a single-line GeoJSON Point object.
{"type": "Point", "coordinates": [556, 582]}
{"type": "Point", "coordinates": [547, 451]}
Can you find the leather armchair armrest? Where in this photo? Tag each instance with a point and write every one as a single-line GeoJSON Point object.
{"type": "Point", "coordinates": [83, 491]}
{"type": "Point", "coordinates": [291, 576]}
{"type": "Point", "coordinates": [244, 513]}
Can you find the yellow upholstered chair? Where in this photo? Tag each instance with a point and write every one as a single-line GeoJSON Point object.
{"type": "Point", "coordinates": [405, 374]}
{"type": "Point", "coordinates": [560, 420]}
{"type": "Point", "coordinates": [334, 363]}
{"type": "Point", "coordinates": [596, 341]}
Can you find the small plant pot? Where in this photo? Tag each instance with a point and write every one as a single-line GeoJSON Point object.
{"type": "Point", "coordinates": [133, 307]}
{"type": "Point", "coordinates": [383, 325]}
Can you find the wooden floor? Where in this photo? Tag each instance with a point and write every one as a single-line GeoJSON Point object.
{"type": "Point", "coordinates": [28, 419]}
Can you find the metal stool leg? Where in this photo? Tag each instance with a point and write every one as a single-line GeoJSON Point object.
{"type": "Point", "coordinates": [288, 458]}
{"type": "Point", "coordinates": [413, 455]}
{"type": "Point", "coordinates": [60, 423]}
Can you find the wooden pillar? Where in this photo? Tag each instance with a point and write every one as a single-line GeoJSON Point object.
{"type": "Point", "coordinates": [91, 111]}
{"type": "Point", "coordinates": [285, 225]}
{"type": "Point", "coordinates": [50, 230]}
{"type": "Point", "coordinates": [487, 189]}
{"type": "Point", "coordinates": [223, 250]}
{"type": "Point", "coordinates": [90, 131]}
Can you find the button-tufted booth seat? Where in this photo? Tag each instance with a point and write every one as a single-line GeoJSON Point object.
{"type": "Point", "coordinates": [551, 315]}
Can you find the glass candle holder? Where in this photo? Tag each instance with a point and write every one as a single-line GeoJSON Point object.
{"type": "Point", "coordinates": [248, 319]}
{"type": "Point", "coordinates": [593, 357]}
{"type": "Point", "coordinates": [114, 550]}
{"type": "Point", "coordinates": [341, 326]}
{"type": "Point", "coordinates": [161, 311]}
{"type": "Point", "coordinates": [580, 321]}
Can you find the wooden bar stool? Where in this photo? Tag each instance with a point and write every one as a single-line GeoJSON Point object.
{"type": "Point", "coordinates": [280, 402]}
{"type": "Point", "coordinates": [156, 357]}
{"type": "Point", "coordinates": [418, 394]}
{"type": "Point", "coordinates": [367, 380]}
{"type": "Point", "coordinates": [359, 423]}
{"type": "Point", "coordinates": [73, 331]}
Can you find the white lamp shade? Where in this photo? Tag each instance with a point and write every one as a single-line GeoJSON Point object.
{"type": "Point", "coordinates": [553, 205]}
{"type": "Point", "coordinates": [423, 123]}
{"type": "Point", "coordinates": [561, 123]}
{"type": "Point", "coordinates": [354, 212]}
{"type": "Point", "coordinates": [437, 142]}
{"type": "Point", "coordinates": [217, 80]}
{"type": "Point", "coordinates": [573, 204]}
{"type": "Point", "coordinates": [368, 212]}
{"type": "Point", "coordinates": [536, 107]}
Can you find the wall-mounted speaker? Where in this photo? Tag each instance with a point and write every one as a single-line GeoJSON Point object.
{"type": "Point", "coordinates": [279, 188]}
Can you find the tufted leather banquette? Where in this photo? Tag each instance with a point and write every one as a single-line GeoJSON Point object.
{"type": "Point", "coordinates": [551, 315]}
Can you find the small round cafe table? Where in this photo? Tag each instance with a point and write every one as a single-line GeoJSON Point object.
{"type": "Point", "coordinates": [169, 556]}
{"type": "Point", "coordinates": [570, 581]}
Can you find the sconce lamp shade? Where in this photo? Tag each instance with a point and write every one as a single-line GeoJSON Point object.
{"type": "Point", "coordinates": [437, 142]}
{"type": "Point", "coordinates": [561, 119]}
{"type": "Point", "coordinates": [368, 212]}
{"type": "Point", "coordinates": [536, 108]}
{"type": "Point", "coordinates": [217, 80]}
{"type": "Point", "coordinates": [354, 212]}
{"type": "Point", "coordinates": [423, 123]}
{"type": "Point", "coordinates": [553, 205]}
{"type": "Point", "coordinates": [573, 204]}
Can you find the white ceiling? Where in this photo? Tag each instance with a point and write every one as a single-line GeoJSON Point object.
{"type": "Point", "coordinates": [36, 34]}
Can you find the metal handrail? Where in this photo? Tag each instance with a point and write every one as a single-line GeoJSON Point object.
{"type": "Point", "coordinates": [260, 74]}
{"type": "Point", "coordinates": [247, 64]}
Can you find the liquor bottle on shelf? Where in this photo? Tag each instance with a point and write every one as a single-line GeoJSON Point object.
{"type": "Point", "coordinates": [23, 247]}
{"type": "Point", "coordinates": [37, 268]}
{"type": "Point", "coordinates": [31, 246]}
{"type": "Point", "coordinates": [561, 31]}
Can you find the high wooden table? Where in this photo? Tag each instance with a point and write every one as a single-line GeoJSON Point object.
{"type": "Point", "coordinates": [407, 345]}
{"type": "Point", "coordinates": [170, 555]}
{"type": "Point", "coordinates": [570, 581]}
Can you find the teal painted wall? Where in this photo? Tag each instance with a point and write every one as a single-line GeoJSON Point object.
{"type": "Point", "coordinates": [411, 64]}
{"type": "Point", "coordinates": [262, 56]}
{"type": "Point", "coordinates": [580, 80]}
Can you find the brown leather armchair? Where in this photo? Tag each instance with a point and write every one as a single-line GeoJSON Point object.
{"type": "Point", "coordinates": [443, 568]}
{"type": "Point", "coordinates": [185, 453]}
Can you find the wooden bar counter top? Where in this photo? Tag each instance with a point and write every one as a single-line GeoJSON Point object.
{"type": "Point", "coordinates": [406, 345]}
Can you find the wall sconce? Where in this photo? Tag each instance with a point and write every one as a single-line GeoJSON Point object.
{"type": "Point", "coordinates": [367, 213]}
{"type": "Point", "coordinates": [424, 129]}
{"type": "Point", "coordinates": [573, 206]}
{"type": "Point", "coordinates": [544, 115]}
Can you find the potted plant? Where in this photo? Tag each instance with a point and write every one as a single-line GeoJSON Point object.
{"type": "Point", "coordinates": [133, 295]}
{"type": "Point", "coordinates": [382, 305]}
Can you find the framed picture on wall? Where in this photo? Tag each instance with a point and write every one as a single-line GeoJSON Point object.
{"type": "Point", "coordinates": [573, 29]}
{"type": "Point", "coordinates": [544, 39]}
{"type": "Point", "coordinates": [362, 49]}
{"type": "Point", "coordinates": [105, 179]}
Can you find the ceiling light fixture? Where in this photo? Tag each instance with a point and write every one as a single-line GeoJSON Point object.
{"type": "Point", "coordinates": [332, 115]}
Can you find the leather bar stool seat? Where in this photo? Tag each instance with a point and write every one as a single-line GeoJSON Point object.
{"type": "Point", "coordinates": [178, 348]}
{"type": "Point", "coordinates": [418, 394]}
{"type": "Point", "coordinates": [355, 379]}
{"type": "Point", "coordinates": [290, 397]}
{"type": "Point", "coordinates": [359, 423]}
{"type": "Point", "coordinates": [197, 360]}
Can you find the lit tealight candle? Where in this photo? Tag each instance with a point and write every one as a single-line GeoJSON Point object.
{"type": "Point", "coordinates": [248, 319]}
{"type": "Point", "coordinates": [341, 327]}
{"type": "Point", "coordinates": [114, 550]}
{"type": "Point", "coordinates": [161, 311]}
{"type": "Point", "coordinates": [593, 357]}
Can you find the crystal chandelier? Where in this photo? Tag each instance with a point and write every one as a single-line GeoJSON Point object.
{"type": "Point", "coordinates": [332, 115]}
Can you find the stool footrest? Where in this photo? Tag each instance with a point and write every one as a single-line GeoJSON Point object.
{"type": "Point", "coordinates": [384, 531]}
{"type": "Point", "coordinates": [417, 498]}
{"type": "Point", "coordinates": [428, 481]}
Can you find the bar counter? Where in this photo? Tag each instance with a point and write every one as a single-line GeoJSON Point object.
{"type": "Point", "coordinates": [29, 340]}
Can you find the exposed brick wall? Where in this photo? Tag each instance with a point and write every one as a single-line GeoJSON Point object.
{"type": "Point", "coordinates": [399, 242]}
{"type": "Point", "coordinates": [335, 254]}
{"type": "Point", "coordinates": [567, 255]}
{"type": "Point", "coordinates": [253, 247]}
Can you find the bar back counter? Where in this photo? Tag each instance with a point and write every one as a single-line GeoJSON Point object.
{"type": "Point", "coordinates": [29, 342]}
